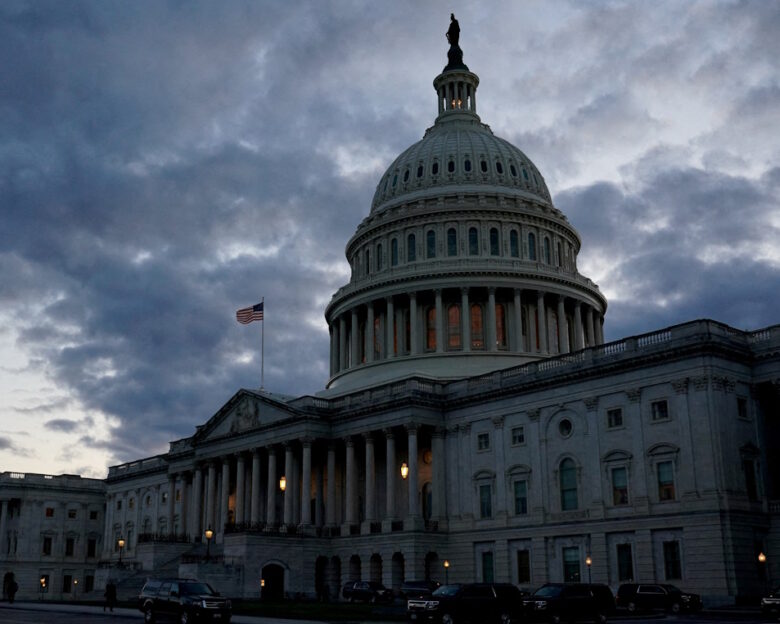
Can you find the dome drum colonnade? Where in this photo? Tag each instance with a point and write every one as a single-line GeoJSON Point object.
{"type": "Point", "coordinates": [463, 253]}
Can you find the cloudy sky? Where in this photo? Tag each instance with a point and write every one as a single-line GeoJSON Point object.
{"type": "Point", "coordinates": [165, 163]}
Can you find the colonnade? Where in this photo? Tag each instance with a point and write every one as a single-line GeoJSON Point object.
{"type": "Point", "coordinates": [462, 319]}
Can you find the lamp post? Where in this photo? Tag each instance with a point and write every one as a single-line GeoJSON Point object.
{"type": "Point", "coordinates": [209, 534]}
{"type": "Point", "coordinates": [43, 586]}
{"type": "Point", "coordinates": [283, 483]}
{"type": "Point", "coordinates": [446, 571]}
{"type": "Point", "coordinates": [404, 470]}
{"type": "Point", "coordinates": [588, 562]}
{"type": "Point", "coordinates": [121, 543]}
{"type": "Point", "coordinates": [764, 571]}
{"type": "Point", "coordinates": [75, 589]}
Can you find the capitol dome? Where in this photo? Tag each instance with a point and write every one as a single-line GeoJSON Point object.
{"type": "Point", "coordinates": [463, 265]}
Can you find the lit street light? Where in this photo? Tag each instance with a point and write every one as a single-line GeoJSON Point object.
{"type": "Point", "coordinates": [588, 562]}
{"type": "Point", "coordinates": [209, 534]}
{"type": "Point", "coordinates": [446, 571]}
{"type": "Point", "coordinates": [121, 543]}
{"type": "Point", "coordinates": [404, 470]}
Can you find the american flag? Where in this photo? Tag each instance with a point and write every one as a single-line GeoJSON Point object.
{"type": "Point", "coordinates": [252, 313]}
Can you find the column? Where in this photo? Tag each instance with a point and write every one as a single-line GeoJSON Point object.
{"type": "Point", "coordinates": [491, 320]}
{"type": "Point", "coordinates": [579, 339]}
{"type": "Point", "coordinates": [342, 343]}
{"type": "Point", "coordinates": [355, 339]}
{"type": "Point", "coordinates": [599, 329]}
{"type": "Point", "coordinates": [370, 336]}
{"type": "Point", "coordinates": [109, 521]}
{"type": "Point", "coordinates": [390, 348]}
{"type": "Point", "coordinates": [518, 309]}
{"type": "Point", "coordinates": [334, 354]}
{"type": "Point", "coordinates": [270, 510]}
{"type": "Point", "coordinates": [589, 326]}
{"type": "Point", "coordinates": [211, 490]}
{"type": "Point", "coordinates": [196, 506]}
{"type": "Point", "coordinates": [370, 479]}
{"type": "Point", "coordinates": [351, 481]}
{"type": "Point", "coordinates": [414, 510]}
{"type": "Point", "coordinates": [563, 327]}
{"type": "Point", "coordinates": [330, 504]}
{"type": "Point", "coordinates": [306, 482]}
{"type": "Point", "coordinates": [171, 501]}
{"type": "Point", "coordinates": [3, 516]}
{"type": "Point", "coordinates": [240, 474]}
{"type": "Point", "coordinates": [439, 322]}
{"type": "Point", "coordinates": [225, 484]}
{"type": "Point", "coordinates": [414, 325]}
{"type": "Point", "coordinates": [465, 319]}
{"type": "Point", "coordinates": [541, 320]}
{"type": "Point", "coordinates": [254, 511]}
{"type": "Point", "coordinates": [439, 471]}
{"type": "Point", "coordinates": [319, 484]}
{"type": "Point", "coordinates": [183, 506]}
{"type": "Point", "coordinates": [391, 474]}
{"type": "Point", "coordinates": [287, 495]}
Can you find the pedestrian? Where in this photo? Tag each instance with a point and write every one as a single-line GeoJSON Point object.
{"type": "Point", "coordinates": [110, 595]}
{"type": "Point", "coordinates": [13, 587]}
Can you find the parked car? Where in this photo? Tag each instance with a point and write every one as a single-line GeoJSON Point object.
{"type": "Point", "coordinates": [770, 604]}
{"type": "Point", "coordinates": [555, 602]}
{"type": "Point", "coordinates": [367, 591]}
{"type": "Point", "coordinates": [478, 603]}
{"type": "Point", "coordinates": [647, 596]}
{"type": "Point", "coordinates": [418, 589]}
{"type": "Point", "coordinates": [183, 600]}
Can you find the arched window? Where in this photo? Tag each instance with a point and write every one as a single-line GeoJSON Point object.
{"type": "Point", "coordinates": [568, 482]}
{"type": "Point", "coordinates": [430, 244]}
{"type": "Point", "coordinates": [473, 242]}
{"type": "Point", "coordinates": [394, 252]}
{"type": "Point", "coordinates": [451, 166]}
{"type": "Point", "coordinates": [500, 326]}
{"type": "Point", "coordinates": [547, 251]}
{"type": "Point", "coordinates": [420, 171]}
{"type": "Point", "coordinates": [499, 168]}
{"type": "Point", "coordinates": [493, 241]}
{"type": "Point", "coordinates": [477, 327]}
{"type": "Point", "coordinates": [467, 165]}
{"type": "Point", "coordinates": [453, 326]}
{"type": "Point", "coordinates": [430, 329]}
{"type": "Point", "coordinates": [379, 257]}
{"type": "Point", "coordinates": [367, 263]}
{"type": "Point", "coordinates": [435, 168]}
{"type": "Point", "coordinates": [452, 242]}
{"type": "Point", "coordinates": [411, 248]}
{"type": "Point", "coordinates": [514, 244]}
{"type": "Point", "coordinates": [483, 166]}
{"type": "Point", "coordinates": [406, 175]}
{"type": "Point", "coordinates": [531, 246]}
{"type": "Point", "coordinates": [559, 259]}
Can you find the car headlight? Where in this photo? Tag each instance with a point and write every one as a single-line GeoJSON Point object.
{"type": "Point", "coordinates": [685, 598]}
{"type": "Point", "coordinates": [432, 604]}
{"type": "Point", "coordinates": [540, 604]}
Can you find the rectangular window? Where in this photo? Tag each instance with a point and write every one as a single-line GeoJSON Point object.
{"type": "Point", "coordinates": [665, 481]}
{"type": "Point", "coordinates": [89, 582]}
{"type": "Point", "coordinates": [751, 484]}
{"type": "Point", "coordinates": [71, 514]}
{"type": "Point", "coordinates": [615, 418]}
{"type": "Point", "coordinates": [487, 566]}
{"type": "Point", "coordinates": [178, 492]}
{"type": "Point", "coordinates": [518, 436]}
{"type": "Point", "coordinates": [69, 545]}
{"type": "Point", "coordinates": [521, 497]}
{"type": "Point", "coordinates": [571, 564]}
{"type": "Point", "coordinates": [619, 486]}
{"type": "Point", "coordinates": [50, 512]}
{"type": "Point", "coordinates": [523, 566]}
{"type": "Point", "coordinates": [483, 441]}
{"type": "Point", "coordinates": [485, 502]}
{"type": "Point", "coordinates": [131, 503]}
{"type": "Point", "coordinates": [659, 410]}
{"type": "Point", "coordinates": [67, 581]}
{"type": "Point", "coordinates": [93, 515]}
{"type": "Point", "coordinates": [625, 561]}
{"type": "Point", "coordinates": [742, 408]}
{"type": "Point", "coordinates": [46, 546]}
{"type": "Point", "coordinates": [672, 566]}
{"type": "Point", "coordinates": [91, 547]}
{"type": "Point", "coordinates": [118, 505]}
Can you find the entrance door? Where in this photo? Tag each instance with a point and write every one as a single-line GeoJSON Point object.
{"type": "Point", "coordinates": [273, 582]}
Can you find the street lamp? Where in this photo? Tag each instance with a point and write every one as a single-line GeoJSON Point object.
{"type": "Point", "coordinates": [404, 470]}
{"type": "Point", "coordinates": [209, 534]}
{"type": "Point", "coordinates": [121, 543]}
{"type": "Point", "coordinates": [43, 586]}
{"type": "Point", "coordinates": [446, 571]}
{"type": "Point", "coordinates": [588, 562]}
{"type": "Point", "coordinates": [75, 588]}
{"type": "Point", "coordinates": [762, 563]}
{"type": "Point", "coordinates": [283, 483]}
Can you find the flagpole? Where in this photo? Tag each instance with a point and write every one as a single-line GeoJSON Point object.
{"type": "Point", "coordinates": [262, 347]}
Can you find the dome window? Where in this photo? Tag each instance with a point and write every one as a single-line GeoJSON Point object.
{"type": "Point", "coordinates": [473, 242]}
{"type": "Point", "coordinates": [435, 169]}
{"type": "Point", "coordinates": [406, 175]}
{"type": "Point", "coordinates": [420, 171]}
{"type": "Point", "coordinates": [525, 175]}
{"type": "Point", "coordinates": [547, 250]}
{"type": "Point", "coordinates": [531, 246]}
{"type": "Point", "coordinates": [430, 243]}
{"type": "Point", "coordinates": [513, 170]}
{"type": "Point", "coordinates": [499, 168]}
{"type": "Point", "coordinates": [367, 263]}
{"type": "Point", "coordinates": [493, 241]}
{"type": "Point", "coordinates": [411, 248]}
{"type": "Point", "coordinates": [467, 165]}
{"type": "Point", "coordinates": [483, 166]}
{"type": "Point", "coordinates": [514, 247]}
{"type": "Point", "coordinates": [379, 257]}
{"type": "Point", "coordinates": [452, 242]}
{"type": "Point", "coordinates": [451, 166]}
{"type": "Point", "coordinates": [395, 180]}
{"type": "Point", "coordinates": [394, 252]}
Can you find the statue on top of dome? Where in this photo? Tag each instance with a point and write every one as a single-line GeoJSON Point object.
{"type": "Point", "coordinates": [455, 54]}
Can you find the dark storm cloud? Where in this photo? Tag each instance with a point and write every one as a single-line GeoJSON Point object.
{"type": "Point", "coordinates": [61, 424]}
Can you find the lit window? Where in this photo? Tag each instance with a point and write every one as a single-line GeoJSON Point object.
{"type": "Point", "coordinates": [477, 327]}
{"type": "Point", "coordinates": [531, 246]}
{"type": "Point", "coordinates": [614, 418]}
{"type": "Point", "coordinates": [430, 326]}
{"type": "Point", "coordinates": [518, 436]}
{"type": "Point", "coordinates": [665, 471]}
{"type": "Point", "coordinates": [473, 242]}
{"type": "Point", "coordinates": [453, 327]}
{"type": "Point", "coordinates": [452, 242]}
{"type": "Point", "coordinates": [521, 497]}
{"type": "Point", "coordinates": [619, 486]}
{"type": "Point", "coordinates": [514, 246]}
{"type": "Point", "coordinates": [483, 441]}
{"type": "Point", "coordinates": [568, 485]}
{"type": "Point", "coordinates": [659, 410]}
{"type": "Point", "coordinates": [71, 513]}
{"type": "Point", "coordinates": [494, 242]}
{"type": "Point", "coordinates": [485, 502]}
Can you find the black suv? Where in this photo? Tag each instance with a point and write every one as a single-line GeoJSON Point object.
{"type": "Point", "coordinates": [418, 589]}
{"type": "Point", "coordinates": [368, 591]}
{"type": "Point", "coordinates": [480, 603]}
{"type": "Point", "coordinates": [554, 602]}
{"type": "Point", "coordinates": [645, 596]}
{"type": "Point", "coordinates": [184, 600]}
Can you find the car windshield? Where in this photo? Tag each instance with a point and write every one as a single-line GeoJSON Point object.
{"type": "Point", "coordinates": [548, 591]}
{"type": "Point", "coordinates": [447, 590]}
{"type": "Point", "coordinates": [671, 588]}
{"type": "Point", "coordinates": [197, 589]}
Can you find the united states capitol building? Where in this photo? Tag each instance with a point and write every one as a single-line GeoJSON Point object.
{"type": "Point", "coordinates": [473, 414]}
